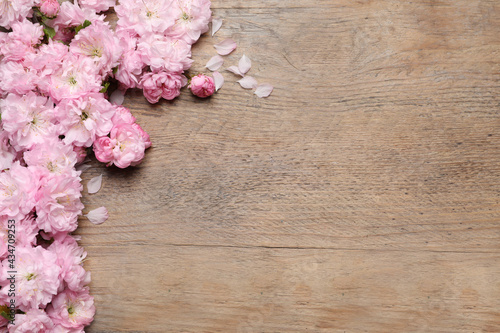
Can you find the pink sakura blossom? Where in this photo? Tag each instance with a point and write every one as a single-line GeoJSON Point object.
{"type": "Point", "coordinates": [165, 53]}
{"type": "Point", "coordinates": [122, 115]}
{"type": "Point", "coordinates": [124, 147]}
{"type": "Point", "coordinates": [26, 232]}
{"type": "Point", "coordinates": [98, 42]}
{"type": "Point", "coordinates": [51, 157]}
{"type": "Point", "coordinates": [97, 5]}
{"type": "Point", "coordinates": [77, 77]}
{"type": "Point", "coordinates": [72, 310]}
{"type": "Point", "coordinates": [58, 203]}
{"type": "Point", "coordinates": [37, 278]}
{"type": "Point", "coordinates": [49, 8]}
{"type": "Point", "coordinates": [81, 153]}
{"type": "Point", "coordinates": [70, 258]}
{"type": "Point", "coordinates": [7, 153]}
{"type": "Point", "coordinates": [131, 64]}
{"type": "Point", "coordinates": [34, 320]}
{"type": "Point", "coordinates": [202, 85]}
{"type": "Point", "coordinates": [15, 10]}
{"type": "Point", "coordinates": [49, 58]}
{"type": "Point", "coordinates": [192, 18]}
{"type": "Point", "coordinates": [22, 40]}
{"type": "Point", "coordinates": [82, 119]}
{"type": "Point", "coordinates": [17, 79]}
{"type": "Point", "coordinates": [18, 188]}
{"type": "Point", "coordinates": [162, 84]}
{"type": "Point", "coordinates": [146, 15]}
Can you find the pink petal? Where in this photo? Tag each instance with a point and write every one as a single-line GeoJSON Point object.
{"type": "Point", "coordinates": [235, 70]}
{"type": "Point", "coordinates": [94, 185]}
{"type": "Point", "coordinates": [248, 82]}
{"type": "Point", "coordinates": [218, 80]}
{"type": "Point", "coordinates": [98, 215]}
{"type": "Point", "coordinates": [225, 47]}
{"type": "Point", "coordinates": [117, 97]}
{"type": "Point", "coordinates": [264, 90]}
{"type": "Point", "coordinates": [214, 63]}
{"type": "Point", "coordinates": [216, 24]}
{"type": "Point", "coordinates": [83, 167]}
{"type": "Point", "coordinates": [245, 64]}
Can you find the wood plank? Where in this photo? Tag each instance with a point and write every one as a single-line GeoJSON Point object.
{"type": "Point", "coordinates": [373, 170]}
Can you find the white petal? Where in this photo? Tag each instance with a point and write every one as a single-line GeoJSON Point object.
{"type": "Point", "coordinates": [98, 215]}
{"type": "Point", "coordinates": [248, 82]}
{"type": "Point", "coordinates": [225, 47]}
{"type": "Point", "coordinates": [117, 97]}
{"type": "Point", "coordinates": [245, 64]}
{"type": "Point", "coordinates": [264, 90]}
{"type": "Point", "coordinates": [235, 70]}
{"type": "Point", "coordinates": [214, 63]}
{"type": "Point", "coordinates": [216, 24]}
{"type": "Point", "coordinates": [83, 167]}
{"type": "Point", "coordinates": [218, 80]}
{"type": "Point", "coordinates": [94, 185]}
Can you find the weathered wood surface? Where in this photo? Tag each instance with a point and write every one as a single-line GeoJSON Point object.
{"type": "Point", "coordinates": [362, 196]}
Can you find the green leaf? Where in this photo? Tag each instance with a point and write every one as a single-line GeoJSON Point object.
{"type": "Point", "coordinates": [85, 24]}
{"type": "Point", "coordinates": [105, 88]}
{"type": "Point", "coordinates": [49, 32]}
{"type": "Point", "coordinates": [6, 315]}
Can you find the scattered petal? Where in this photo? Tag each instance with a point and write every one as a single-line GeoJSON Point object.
{"type": "Point", "coordinates": [117, 97]}
{"type": "Point", "coordinates": [245, 64]}
{"type": "Point", "coordinates": [264, 90]}
{"type": "Point", "coordinates": [83, 167]}
{"type": "Point", "coordinates": [98, 215]}
{"type": "Point", "coordinates": [216, 24]}
{"type": "Point", "coordinates": [248, 82]}
{"type": "Point", "coordinates": [94, 185]}
{"type": "Point", "coordinates": [225, 47]}
{"type": "Point", "coordinates": [218, 80]}
{"type": "Point", "coordinates": [214, 63]}
{"type": "Point", "coordinates": [235, 70]}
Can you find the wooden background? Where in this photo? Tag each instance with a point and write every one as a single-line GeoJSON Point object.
{"type": "Point", "coordinates": [362, 196]}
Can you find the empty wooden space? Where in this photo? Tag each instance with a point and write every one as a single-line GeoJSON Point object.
{"type": "Point", "coordinates": [362, 196]}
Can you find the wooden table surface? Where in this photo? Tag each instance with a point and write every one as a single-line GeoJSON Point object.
{"type": "Point", "coordinates": [362, 196]}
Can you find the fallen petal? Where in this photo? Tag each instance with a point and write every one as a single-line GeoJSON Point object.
{"type": "Point", "coordinates": [248, 82]}
{"type": "Point", "coordinates": [216, 24]}
{"type": "Point", "coordinates": [83, 167]}
{"type": "Point", "coordinates": [98, 215]}
{"type": "Point", "coordinates": [218, 80]}
{"type": "Point", "coordinates": [225, 47]}
{"type": "Point", "coordinates": [117, 97]}
{"type": "Point", "coordinates": [214, 63]}
{"type": "Point", "coordinates": [244, 64]}
{"type": "Point", "coordinates": [94, 185]}
{"type": "Point", "coordinates": [235, 70]}
{"type": "Point", "coordinates": [264, 90]}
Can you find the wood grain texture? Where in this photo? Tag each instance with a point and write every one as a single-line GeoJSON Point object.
{"type": "Point", "coordinates": [362, 196]}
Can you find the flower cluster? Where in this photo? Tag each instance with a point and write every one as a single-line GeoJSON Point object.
{"type": "Point", "coordinates": [56, 63]}
{"type": "Point", "coordinates": [156, 37]}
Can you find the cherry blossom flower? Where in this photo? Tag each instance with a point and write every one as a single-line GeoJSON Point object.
{"type": "Point", "coordinates": [72, 309]}
{"type": "Point", "coordinates": [202, 86]}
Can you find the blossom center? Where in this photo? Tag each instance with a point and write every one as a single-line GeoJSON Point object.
{"type": "Point", "coordinates": [30, 276]}
{"type": "Point", "coordinates": [72, 80]}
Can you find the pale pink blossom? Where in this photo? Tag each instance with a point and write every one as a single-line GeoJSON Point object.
{"type": "Point", "coordinates": [97, 5]}
{"type": "Point", "coordinates": [51, 157]}
{"type": "Point", "coordinates": [146, 15]}
{"type": "Point", "coordinates": [34, 320]}
{"type": "Point", "coordinates": [49, 8]}
{"type": "Point", "coordinates": [82, 119]}
{"type": "Point", "coordinates": [163, 53]}
{"type": "Point", "coordinates": [70, 258]}
{"type": "Point", "coordinates": [77, 77]}
{"type": "Point", "coordinates": [103, 149]}
{"type": "Point", "coordinates": [81, 153]}
{"type": "Point", "coordinates": [26, 231]}
{"type": "Point", "coordinates": [202, 85]}
{"type": "Point", "coordinates": [58, 203]}
{"type": "Point", "coordinates": [98, 42]}
{"type": "Point", "coordinates": [7, 152]}
{"type": "Point", "coordinates": [22, 40]}
{"type": "Point", "coordinates": [122, 115]}
{"type": "Point", "coordinates": [72, 310]}
{"type": "Point", "coordinates": [162, 84]}
{"type": "Point", "coordinates": [37, 278]}
{"type": "Point", "coordinates": [18, 187]}
{"type": "Point", "coordinates": [192, 19]}
{"type": "Point", "coordinates": [15, 10]}
{"type": "Point", "coordinates": [131, 64]}
{"type": "Point", "coordinates": [49, 58]}
{"type": "Point", "coordinates": [17, 79]}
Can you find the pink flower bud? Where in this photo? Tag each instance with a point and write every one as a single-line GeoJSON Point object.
{"type": "Point", "coordinates": [202, 86]}
{"type": "Point", "coordinates": [49, 8]}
